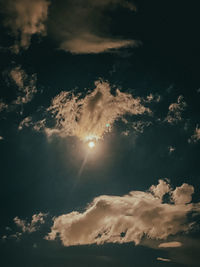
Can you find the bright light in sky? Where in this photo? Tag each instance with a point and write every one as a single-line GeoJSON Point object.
{"type": "Point", "coordinates": [91, 144]}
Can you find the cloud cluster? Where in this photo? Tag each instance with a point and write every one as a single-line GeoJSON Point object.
{"type": "Point", "coordinates": [84, 26]}
{"type": "Point", "coordinates": [90, 117]}
{"type": "Point", "coordinates": [175, 110]}
{"type": "Point", "coordinates": [25, 18]}
{"type": "Point", "coordinates": [128, 218]}
{"type": "Point", "coordinates": [26, 227]}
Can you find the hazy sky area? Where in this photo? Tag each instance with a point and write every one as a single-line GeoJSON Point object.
{"type": "Point", "coordinates": [99, 133]}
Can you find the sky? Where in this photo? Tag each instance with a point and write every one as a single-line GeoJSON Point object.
{"type": "Point", "coordinates": [99, 133]}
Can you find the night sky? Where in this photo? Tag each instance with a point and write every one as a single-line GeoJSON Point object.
{"type": "Point", "coordinates": [119, 75]}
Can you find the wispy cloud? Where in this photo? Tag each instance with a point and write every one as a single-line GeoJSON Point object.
{"type": "Point", "coordinates": [26, 88]}
{"type": "Point", "coordinates": [163, 259]}
{"type": "Point", "coordinates": [25, 18]}
{"type": "Point", "coordinates": [86, 29]}
{"type": "Point", "coordinates": [175, 111]}
{"type": "Point", "coordinates": [30, 227]}
{"type": "Point", "coordinates": [173, 244]}
{"type": "Point", "coordinates": [195, 137]}
{"type": "Point", "coordinates": [128, 218]}
{"type": "Point", "coordinates": [91, 116]}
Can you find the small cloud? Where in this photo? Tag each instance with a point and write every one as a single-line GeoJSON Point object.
{"type": "Point", "coordinates": [175, 111]}
{"type": "Point", "coordinates": [195, 137]}
{"type": "Point", "coordinates": [183, 194]}
{"type": "Point", "coordinates": [26, 227]}
{"type": "Point", "coordinates": [26, 85]}
{"type": "Point", "coordinates": [3, 106]}
{"type": "Point", "coordinates": [92, 44]}
{"type": "Point", "coordinates": [26, 122]}
{"type": "Point", "coordinates": [171, 149]}
{"type": "Point", "coordinates": [25, 18]}
{"type": "Point", "coordinates": [163, 259]}
{"type": "Point", "coordinates": [139, 126]}
{"type": "Point", "coordinates": [174, 244]}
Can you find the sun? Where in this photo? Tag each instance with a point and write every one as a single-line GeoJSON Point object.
{"type": "Point", "coordinates": [91, 144]}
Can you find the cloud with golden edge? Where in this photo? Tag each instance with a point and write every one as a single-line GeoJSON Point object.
{"type": "Point", "coordinates": [128, 218]}
{"type": "Point", "coordinates": [91, 116]}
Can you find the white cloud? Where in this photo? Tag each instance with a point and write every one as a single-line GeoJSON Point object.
{"type": "Point", "coordinates": [121, 219]}
{"type": "Point", "coordinates": [90, 117]}
{"type": "Point", "coordinates": [25, 18]}
{"type": "Point", "coordinates": [83, 26]}
{"type": "Point", "coordinates": [173, 244]}
{"type": "Point", "coordinates": [175, 111]}
{"type": "Point", "coordinates": [163, 259]}
{"type": "Point", "coordinates": [26, 227]}
{"type": "Point", "coordinates": [196, 136]}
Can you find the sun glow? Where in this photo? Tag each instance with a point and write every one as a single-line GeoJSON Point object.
{"type": "Point", "coordinates": [91, 144]}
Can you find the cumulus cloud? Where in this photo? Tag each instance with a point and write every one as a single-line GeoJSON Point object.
{"type": "Point", "coordinates": [25, 18]}
{"type": "Point", "coordinates": [128, 218]}
{"type": "Point", "coordinates": [175, 111]}
{"type": "Point", "coordinates": [174, 244]}
{"type": "Point", "coordinates": [91, 116]}
{"type": "Point", "coordinates": [195, 137]}
{"type": "Point", "coordinates": [84, 26]}
{"type": "Point", "coordinates": [183, 194]}
{"type": "Point", "coordinates": [30, 227]}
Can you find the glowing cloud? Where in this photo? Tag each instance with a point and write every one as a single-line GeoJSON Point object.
{"type": "Point", "coordinates": [128, 218]}
{"type": "Point", "coordinates": [90, 117]}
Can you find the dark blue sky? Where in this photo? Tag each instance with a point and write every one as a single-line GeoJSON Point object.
{"type": "Point", "coordinates": [148, 50]}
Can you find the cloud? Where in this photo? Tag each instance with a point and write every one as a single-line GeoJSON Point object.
{"type": "Point", "coordinates": [163, 259]}
{"type": "Point", "coordinates": [26, 85]}
{"type": "Point", "coordinates": [25, 18]}
{"type": "Point", "coordinates": [171, 149]}
{"type": "Point", "coordinates": [183, 194]}
{"type": "Point", "coordinates": [83, 26]}
{"type": "Point", "coordinates": [139, 126]}
{"type": "Point", "coordinates": [92, 44]}
{"type": "Point", "coordinates": [173, 244]}
{"type": "Point", "coordinates": [175, 111]}
{"type": "Point", "coordinates": [195, 137]}
{"type": "Point", "coordinates": [26, 88]}
{"type": "Point", "coordinates": [91, 116]}
{"type": "Point", "coordinates": [37, 220]}
{"type": "Point", "coordinates": [128, 218]}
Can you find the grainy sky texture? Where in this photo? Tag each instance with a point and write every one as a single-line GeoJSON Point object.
{"type": "Point", "coordinates": [99, 133]}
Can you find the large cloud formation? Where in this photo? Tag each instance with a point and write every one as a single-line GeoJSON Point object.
{"type": "Point", "coordinates": [25, 18]}
{"type": "Point", "coordinates": [83, 26]}
{"type": "Point", "coordinates": [128, 218]}
{"type": "Point", "coordinates": [90, 117]}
